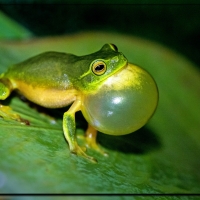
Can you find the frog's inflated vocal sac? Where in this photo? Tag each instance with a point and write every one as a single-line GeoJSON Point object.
{"type": "Point", "coordinates": [115, 97]}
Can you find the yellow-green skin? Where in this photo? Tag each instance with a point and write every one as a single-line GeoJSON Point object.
{"type": "Point", "coordinates": [54, 80]}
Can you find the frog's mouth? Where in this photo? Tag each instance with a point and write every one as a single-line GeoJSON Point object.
{"type": "Point", "coordinates": [115, 72]}
{"type": "Point", "coordinates": [118, 70]}
{"type": "Point", "coordinates": [125, 77]}
{"type": "Point", "coordinates": [122, 68]}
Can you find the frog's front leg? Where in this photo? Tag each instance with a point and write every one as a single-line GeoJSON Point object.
{"type": "Point", "coordinates": [69, 128]}
{"type": "Point", "coordinates": [5, 90]}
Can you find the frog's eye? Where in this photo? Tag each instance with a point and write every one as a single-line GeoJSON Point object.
{"type": "Point", "coordinates": [114, 47]}
{"type": "Point", "coordinates": [99, 67]}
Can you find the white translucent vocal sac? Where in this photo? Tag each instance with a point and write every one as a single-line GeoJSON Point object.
{"type": "Point", "coordinates": [123, 103]}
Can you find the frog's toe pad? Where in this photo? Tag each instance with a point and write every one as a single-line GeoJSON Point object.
{"type": "Point", "coordinates": [97, 148]}
{"type": "Point", "coordinates": [24, 121]}
{"type": "Point", "coordinates": [80, 152]}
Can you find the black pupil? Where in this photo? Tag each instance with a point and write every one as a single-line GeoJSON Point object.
{"type": "Point", "coordinates": [99, 67]}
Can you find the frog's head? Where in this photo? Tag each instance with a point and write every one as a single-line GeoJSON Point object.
{"type": "Point", "coordinates": [100, 65]}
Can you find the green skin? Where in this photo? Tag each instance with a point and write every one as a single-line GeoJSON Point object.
{"type": "Point", "coordinates": [62, 79]}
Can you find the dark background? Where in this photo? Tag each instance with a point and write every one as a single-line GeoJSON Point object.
{"type": "Point", "coordinates": [177, 26]}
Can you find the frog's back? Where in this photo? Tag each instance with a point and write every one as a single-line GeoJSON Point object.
{"type": "Point", "coordinates": [47, 69]}
{"type": "Point", "coordinates": [45, 79]}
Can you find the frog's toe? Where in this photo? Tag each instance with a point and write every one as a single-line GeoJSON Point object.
{"type": "Point", "coordinates": [24, 121]}
{"type": "Point", "coordinates": [96, 148]}
{"type": "Point", "coordinates": [83, 148]}
{"type": "Point", "coordinates": [80, 152]}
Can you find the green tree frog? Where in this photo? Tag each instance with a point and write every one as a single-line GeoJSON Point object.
{"type": "Point", "coordinates": [115, 97]}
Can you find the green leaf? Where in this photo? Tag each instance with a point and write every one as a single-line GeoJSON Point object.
{"type": "Point", "coordinates": [162, 157]}
{"type": "Point", "coordinates": [12, 30]}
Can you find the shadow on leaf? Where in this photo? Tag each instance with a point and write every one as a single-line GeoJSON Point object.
{"type": "Point", "coordinates": [140, 142]}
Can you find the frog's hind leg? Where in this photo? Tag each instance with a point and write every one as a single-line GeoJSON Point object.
{"type": "Point", "coordinates": [91, 134]}
{"type": "Point", "coordinates": [5, 111]}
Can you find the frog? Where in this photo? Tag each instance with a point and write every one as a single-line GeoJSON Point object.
{"type": "Point", "coordinates": [57, 79]}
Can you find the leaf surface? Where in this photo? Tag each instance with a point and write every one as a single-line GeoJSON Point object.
{"type": "Point", "coordinates": [162, 157]}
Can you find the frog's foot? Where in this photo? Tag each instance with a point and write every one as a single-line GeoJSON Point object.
{"type": "Point", "coordinates": [97, 148]}
{"type": "Point", "coordinates": [91, 135]}
{"type": "Point", "coordinates": [7, 114]}
{"type": "Point", "coordinates": [24, 121]}
{"type": "Point", "coordinates": [81, 152]}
